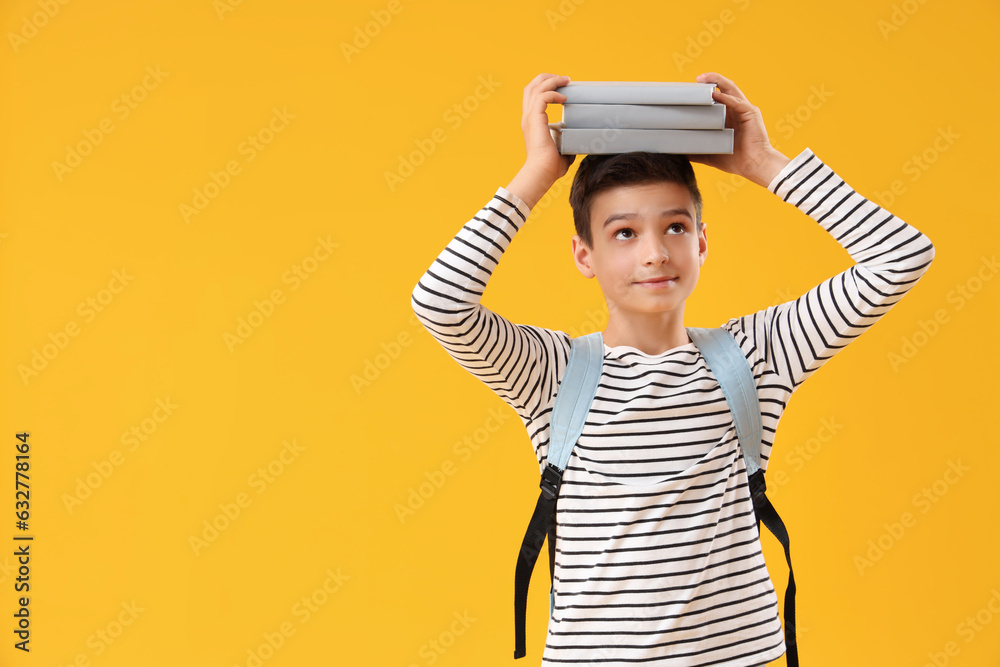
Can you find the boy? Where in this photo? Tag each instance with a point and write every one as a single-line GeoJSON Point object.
{"type": "Point", "coordinates": [658, 558]}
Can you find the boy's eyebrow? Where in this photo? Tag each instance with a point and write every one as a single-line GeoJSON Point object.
{"type": "Point", "coordinates": [633, 215]}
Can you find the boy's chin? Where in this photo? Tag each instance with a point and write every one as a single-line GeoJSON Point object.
{"type": "Point", "coordinates": [651, 306]}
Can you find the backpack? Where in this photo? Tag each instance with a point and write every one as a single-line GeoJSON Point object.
{"type": "Point", "coordinates": [573, 399]}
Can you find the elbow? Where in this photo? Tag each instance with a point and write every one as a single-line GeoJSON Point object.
{"type": "Point", "coordinates": [920, 256]}
{"type": "Point", "coordinates": [414, 303]}
{"type": "Point", "coordinates": [424, 306]}
{"type": "Point", "coordinates": [928, 255]}
{"type": "Point", "coordinates": [419, 315]}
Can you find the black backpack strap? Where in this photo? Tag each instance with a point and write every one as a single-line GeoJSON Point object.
{"type": "Point", "coordinates": [569, 413]}
{"type": "Point", "coordinates": [765, 512]}
{"type": "Point", "coordinates": [538, 528]}
{"type": "Point", "coordinates": [726, 361]}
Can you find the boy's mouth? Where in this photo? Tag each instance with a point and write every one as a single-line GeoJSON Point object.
{"type": "Point", "coordinates": [657, 282]}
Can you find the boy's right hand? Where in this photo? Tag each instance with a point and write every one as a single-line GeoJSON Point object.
{"type": "Point", "coordinates": [543, 158]}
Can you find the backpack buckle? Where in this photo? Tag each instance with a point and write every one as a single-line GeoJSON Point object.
{"type": "Point", "coordinates": [551, 479]}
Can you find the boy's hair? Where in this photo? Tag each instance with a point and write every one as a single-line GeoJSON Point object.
{"type": "Point", "coordinates": [602, 172]}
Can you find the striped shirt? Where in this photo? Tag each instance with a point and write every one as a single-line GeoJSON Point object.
{"type": "Point", "coordinates": [658, 557]}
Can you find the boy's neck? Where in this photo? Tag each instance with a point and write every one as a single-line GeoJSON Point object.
{"type": "Point", "coordinates": [653, 334]}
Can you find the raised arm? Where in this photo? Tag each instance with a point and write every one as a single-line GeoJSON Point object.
{"type": "Point", "coordinates": [521, 363]}
{"type": "Point", "coordinates": [799, 336]}
{"type": "Point", "coordinates": [890, 256]}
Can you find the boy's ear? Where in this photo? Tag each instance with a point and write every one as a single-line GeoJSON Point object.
{"type": "Point", "coordinates": [703, 243]}
{"type": "Point", "coordinates": [582, 256]}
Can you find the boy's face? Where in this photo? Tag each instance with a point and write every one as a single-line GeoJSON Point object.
{"type": "Point", "coordinates": [642, 232]}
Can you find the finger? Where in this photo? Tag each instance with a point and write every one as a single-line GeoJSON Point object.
{"type": "Point", "coordinates": [543, 82]}
{"type": "Point", "coordinates": [534, 84]}
{"type": "Point", "coordinates": [738, 104]}
{"type": "Point", "coordinates": [721, 83]}
{"type": "Point", "coordinates": [552, 97]}
{"type": "Point", "coordinates": [551, 82]}
{"type": "Point", "coordinates": [538, 79]}
{"type": "Point", "coordinates": [542, 78]}
{"type": "Point", "coordinates": [537, 102]}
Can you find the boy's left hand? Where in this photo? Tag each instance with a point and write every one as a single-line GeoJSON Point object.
{"type": "Point", "coordinates": [753, 157]}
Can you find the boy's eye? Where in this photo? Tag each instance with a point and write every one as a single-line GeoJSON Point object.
{"type": "Point", "coordinates": [679, 225]}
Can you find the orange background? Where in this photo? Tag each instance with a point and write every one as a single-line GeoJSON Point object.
{"type": "Point", "coordinates": [305, 231]}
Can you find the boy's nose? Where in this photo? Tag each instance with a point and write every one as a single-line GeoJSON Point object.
{"type": "Point", "coordinates": [654, 252]}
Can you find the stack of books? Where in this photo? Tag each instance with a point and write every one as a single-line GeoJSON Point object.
{"type": "Point", "coordinates": [603, 117]}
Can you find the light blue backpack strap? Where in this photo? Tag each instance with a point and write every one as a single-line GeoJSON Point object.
{"type": "Point", "coordinates": [574, 397]}
{"type": "Point", "coordinates": [730, 367]}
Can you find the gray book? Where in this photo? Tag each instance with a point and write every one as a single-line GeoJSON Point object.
{"type": "Point", "coordinates": [646, 116]}
{"type": "Point", "coordinates": [637, 92]}
{"type": "Point", "coordinates": [594, 141]}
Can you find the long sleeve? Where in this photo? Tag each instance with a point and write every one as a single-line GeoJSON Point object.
{"type": "Point", "coordinates": [795, 338]}
{"type": "Point", "coordinates": [785, 343]}
{"type": "Point", "coordinates": [520, 363]}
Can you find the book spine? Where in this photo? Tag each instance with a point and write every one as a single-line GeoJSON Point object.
{"type": "Point", "coordinates": [646, 116]}
{"type": "Point", "coordinates": [584, 94]}
{"type": "Point", "coordinates": [586, 141]}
